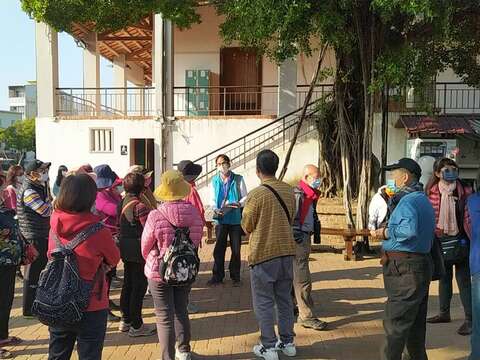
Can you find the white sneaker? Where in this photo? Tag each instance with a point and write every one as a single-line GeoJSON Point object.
{"type": "Point", "coordinates": [124, 327]}
{"type": "Point", "coordinates": [267, 354]}
{"type": "Point", "coordinates": [144, 330]}
{"type": "Point", "coordinates": [288, 349]}
{"type": "Point", "coordinates": [183, 355]}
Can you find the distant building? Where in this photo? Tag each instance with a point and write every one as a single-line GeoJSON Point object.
{"type": "Point", "coordinates": [23, 99]}
{"type": "Point", "coordinates": [7, 118]}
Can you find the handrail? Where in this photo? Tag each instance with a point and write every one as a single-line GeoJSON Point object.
{"type": "Point", "coordinates": [280, 119]}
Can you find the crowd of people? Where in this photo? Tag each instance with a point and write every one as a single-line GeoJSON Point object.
{"type": "Point", "coordinates": [426, 233]}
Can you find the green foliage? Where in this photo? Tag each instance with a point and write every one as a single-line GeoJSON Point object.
{"type": "Point", "coordinates": [19, 136]}
{"type": "Point", "coordinates": [108, 14]}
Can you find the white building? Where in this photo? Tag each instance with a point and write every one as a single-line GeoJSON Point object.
{"type": "Point", "coordinates": [23, 99]}
{"type": "Point", "coordinates": [186, 95]}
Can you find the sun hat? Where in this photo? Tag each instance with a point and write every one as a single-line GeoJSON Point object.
{"type": "Point", "coordinates": [189, 169]}
{"type": "Point", "coordinates": [173, 187]}
{"type": "Point", "coordinates": [105, 176]}
{"type": "Point", "coordinates": [139, 169]}
{"type": "Point", "coordinates": [36, 165]}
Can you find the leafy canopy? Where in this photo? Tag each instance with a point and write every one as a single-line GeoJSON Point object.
{"type": "Point", "coordinates": [19, 136]}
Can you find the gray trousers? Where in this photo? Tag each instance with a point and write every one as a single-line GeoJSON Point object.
{"type": "Point", "coordinates": [302, 280]}
{"type": "Point", "coordinates": [272, 286]}
{"type": "Point", "coordinates": [173, 324]}
{"type": "Point", "coordinates": [407, 283]}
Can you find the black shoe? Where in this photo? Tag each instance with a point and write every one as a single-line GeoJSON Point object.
{"type": "Point", "coordinates": [236, 283]}
{"type": "Point", "coordinates": [296, 312]}
{"type": "Point", "coordinates": [465, 329]}
{"type": "Point", "coordinates": [314, 324]}
{"type": "Point", "coordinates": [213, 282]}
{"type": "Point", "coordinates": [439, 319]}
{"type": "Point", "coordinates": [113, 306]}
{"type": "Point", "coordinates": [113, 318]}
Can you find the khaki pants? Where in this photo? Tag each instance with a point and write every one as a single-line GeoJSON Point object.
{"type": "Point", "coordinates": [302, 280]}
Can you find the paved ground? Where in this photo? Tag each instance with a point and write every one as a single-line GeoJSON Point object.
{"type": "Point", "coordinates": [349, 295]}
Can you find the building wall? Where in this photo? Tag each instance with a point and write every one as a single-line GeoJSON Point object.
{"type": "Point", "coordinates": [67, 142]}
{"type": "Point", "coordinates": [397, 138]}
{"type": "Point", "coordinates": [7, 118]}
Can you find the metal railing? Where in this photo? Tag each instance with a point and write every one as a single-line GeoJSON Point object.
{"type": "Point", "coordinates": [109, 102]}
{"type": "Point", "coordinates": [444, 98]}
{"type": "Point", "coordinates": [274, 135]}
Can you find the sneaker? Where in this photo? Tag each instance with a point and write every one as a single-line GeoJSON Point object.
{"type": "Point", "coordinates": [465, 329]}
{"type": "Point", "coordinates": [124, 326]}
{"type": "Point", "coordinates": [287, 349]}
{"type": "Point", "coordinates": [183, 355]}
{"type": "Point", "coordinates": [439, 319]}
{"type": "Point", "coordinates": [314, 324]}
{"type": "Point", "coordinates": [144, 330]}
{"type": "Point", "coordinates": [267, 354]}
{"type": "Point", "coordinates": [236, 283]}
{"type": "Point", "coordinates": [112, 317]}
{"type": "Point", "coordinates": [213, 282]}
{"type": "Point", "coordinates": [192, 308]}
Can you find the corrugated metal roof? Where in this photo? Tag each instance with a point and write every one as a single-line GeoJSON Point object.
{"type": "Point", "coordinates": [442, 124]}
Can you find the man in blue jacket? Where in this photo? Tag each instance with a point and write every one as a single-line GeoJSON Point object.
{"type": "Point", "coordinates": [473, 206]}
{"type": "Point", "coordinates": [407, 264]}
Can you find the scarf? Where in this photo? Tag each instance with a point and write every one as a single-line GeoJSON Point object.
{"type": "Point", "coordinates": [447, 220]}
{"type": "Point", "coordinates": [194, 199]}
{"type": "Point", "coordinates": [395, 199]}
{"type": "Point", "coordinates": [311, 196]}
{"type": "Point", "coordinates": [128, 209]}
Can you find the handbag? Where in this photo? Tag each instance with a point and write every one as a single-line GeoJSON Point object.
{"type": "Point", "coordinates": [455, 249]}
{"type": "Point", "coordinates": [439, 270]}
{"type": "Point", "coordinates": [30, 254]}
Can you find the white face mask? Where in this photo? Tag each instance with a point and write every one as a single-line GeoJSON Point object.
{"type": "Point", "coordinates": [224, 169]}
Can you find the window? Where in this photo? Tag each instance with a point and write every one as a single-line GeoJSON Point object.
{"type": "Point", "coordinates": [101, 140]}
{"type": "Point", "coordinates": [435, 149]}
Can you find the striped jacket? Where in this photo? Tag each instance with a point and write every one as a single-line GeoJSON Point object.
{"type": "Point", "coordinates": [462, 194]}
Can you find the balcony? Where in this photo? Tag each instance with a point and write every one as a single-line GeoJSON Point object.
{"type": "Point", "coordinates": [188, 101]}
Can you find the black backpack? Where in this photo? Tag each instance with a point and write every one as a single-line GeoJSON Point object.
{"type": "Point", "coordinates": [180, 264]}
{"type": "Point", "coordinates": [62, 295]}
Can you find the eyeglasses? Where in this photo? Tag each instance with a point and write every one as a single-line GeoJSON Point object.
{"type": "Point", "coordinates": [223, 163]}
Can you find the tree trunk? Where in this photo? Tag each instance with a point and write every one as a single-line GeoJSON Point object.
{"type": "Point", "coordinates": [304, 111]}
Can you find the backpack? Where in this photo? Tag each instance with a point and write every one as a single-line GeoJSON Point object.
{"type": "Point", "coordinates": [62, 296]}
{"type": "Point", "coordinates": [180, 264]}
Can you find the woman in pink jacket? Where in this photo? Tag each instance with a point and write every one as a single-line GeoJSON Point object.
{"type": "Point", "coordinates": [158, 234]}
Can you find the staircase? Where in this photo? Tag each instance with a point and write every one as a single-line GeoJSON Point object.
{"type": "Point", "coordinates": [276, 135]}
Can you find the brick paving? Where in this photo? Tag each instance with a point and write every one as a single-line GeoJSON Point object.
{"type": "Point", "coordinates": [349, 295]}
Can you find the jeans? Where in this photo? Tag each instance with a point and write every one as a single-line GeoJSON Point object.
{"type": "Point", "coordinates": [407, 282]}
{"type": "Point", "coordinates": [272, 285]}
{"type": "Point", "coordinates": [302, 280]}
{"type": "Point", "coordinates": [234, 232]}
{"type": "Point", "coordinates": [462, 274]}
{"type": "Point", "coordinates": [89, 334]}
{"type": "Point", "coordinates": [32, 273]}
{"type": "Point", "coordinates": [7, 281]}
{"type": "Point", "coordinates": [133, 291]}
{"type": "Point", "coordinates": [173, 324]}
{"type": "Point", "coordinates": [475, 338]}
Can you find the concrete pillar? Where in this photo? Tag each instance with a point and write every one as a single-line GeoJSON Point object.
{"type": "Point", "coordinates": [120, 81]}
{"type": "Point", "coordinates": [162, 53]}
{"type": "Point", "coordinates": [91, 73]}
{"type": "Point", "coordinates": [46, 45]}
{"type": "Point", "coordinates": [287, 87]}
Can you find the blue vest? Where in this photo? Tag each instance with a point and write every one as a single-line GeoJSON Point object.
{"type": "Point", "coordinates": [233, 217]}
{"type": "Point", "coordinates": [473, 205]}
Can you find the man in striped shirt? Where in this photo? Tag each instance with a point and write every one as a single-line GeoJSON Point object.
{"type": "Point", "coordinates": [34, 208]}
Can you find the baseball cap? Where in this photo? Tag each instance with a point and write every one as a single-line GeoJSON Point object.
{"type": "Point", "coordinates": [407, 164]}
{"type": "Point", "coordinates": [35, 165]}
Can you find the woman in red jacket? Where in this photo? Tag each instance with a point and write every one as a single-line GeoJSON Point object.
{"type": "Point", "coordinates": [448, 196]}
{"type": "Point", "coordinates": [71, 216]}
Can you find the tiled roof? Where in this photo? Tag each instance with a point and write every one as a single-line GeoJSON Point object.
{"type": "Point", "coordinates": [452, 124]}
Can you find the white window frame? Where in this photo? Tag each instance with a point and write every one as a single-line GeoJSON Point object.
{"type": "Point", "coordinates": [97, 147]}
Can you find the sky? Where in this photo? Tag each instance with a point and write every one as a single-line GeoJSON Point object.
{"type": "Point", "coordinates": [17, 57]}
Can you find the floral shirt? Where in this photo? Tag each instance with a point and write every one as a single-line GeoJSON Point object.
{"type": "Point", "coordinates": [11, 243]}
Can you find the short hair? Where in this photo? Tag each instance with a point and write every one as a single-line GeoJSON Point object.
{"type": "Point", "coordinates": [134, 183]}
{"type": "Point", "coordinates": [77, 194]}
{"type": "Point", "coordinates": [267, 162]}
{"type": "Point", "coordinates": [224, 157]}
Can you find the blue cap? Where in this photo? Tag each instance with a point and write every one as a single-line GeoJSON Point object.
{"type": "Point", "coordinates": [105, 176]}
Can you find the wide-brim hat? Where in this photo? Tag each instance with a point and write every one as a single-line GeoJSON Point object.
{"type": "Point", "coordinates": [173, 187]}
{"type": "Point", "coordinates": [189, 169]}
{"type": "Point", "coordinates": [105, 176]}
{"type": "Point", "coordinates": [140, 170]}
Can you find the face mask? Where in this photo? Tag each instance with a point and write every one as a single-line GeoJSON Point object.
{"type": "Point", "coordinates": [120, 189]}
{"type": "Point", "coordinates": [315, 184]}
{"type": "Point", "coordinates": [391, 187]}
{"type": "Point", "coordinates": [450, 175]}
{"type": "Point", "coordinates": [64, 173]}
{"type": "Point", "coordinates": [224, 169]}
{"type": "Point", "coordinates": [148, 181]}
